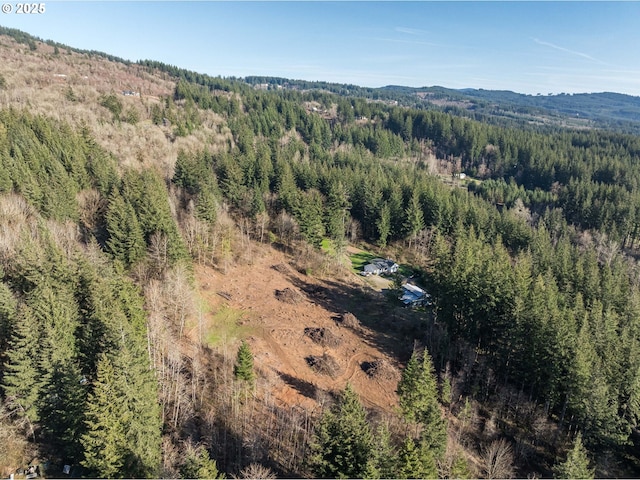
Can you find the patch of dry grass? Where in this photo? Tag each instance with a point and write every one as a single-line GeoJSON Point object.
{"type": "Point", "coordinates": [67, 88]}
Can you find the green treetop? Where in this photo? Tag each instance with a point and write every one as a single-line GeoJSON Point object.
{"type": "Point", "coordinates": [577, 463]}
{"type": "Point", "coordinates": [243, 368]}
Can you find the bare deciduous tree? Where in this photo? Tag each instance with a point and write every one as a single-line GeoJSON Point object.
{"type": "Point", "coordinates": [498, 459]}
{"type": "Point", "coordinates": [257, 471]}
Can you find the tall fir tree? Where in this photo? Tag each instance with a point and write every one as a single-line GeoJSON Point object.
{"type": "Point", "coordinates": [243, 368]}
{"type": "Point", "coordinates": [198, 464]}
{"type": "Point", "coordinates": [416, 461]}
{"type": "Point", "coordinates": [21, 383]}
{"type": "Point", "coordinates": [418, 392]}
{"type": "Point", "coordinates": [106, 419]}
{"type": "Point", "coordinates": [342, 443]}
{"type": "Point", "coordinates": [126, 241]}
{"type": "Point", "coordinates": [576, 464]}
{"type": "Point", "coordinates": [382, 462]}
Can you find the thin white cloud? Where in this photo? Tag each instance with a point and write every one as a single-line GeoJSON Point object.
{"type": "Point", "coordinates": [411, 31]}
{"type": "Point", "coordinates": [411, 42]}
{"type": "Point", "coordinates": [567, 50]}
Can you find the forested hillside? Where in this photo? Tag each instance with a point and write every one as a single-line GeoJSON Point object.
{"type": "Point", "coordinates": [120, 183]}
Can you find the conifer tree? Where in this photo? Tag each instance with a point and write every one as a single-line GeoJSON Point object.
{"type": "Point", "coordinates": [416, 461]}
{"type": "Point", "coordinates": [243, 368]}
{"type": "Point", "coordinates": [384, 225]}
{"type": "Point", "coordinates": [21, 375]}
{"type": "Point", "coordinates": [106, 419]}
{"type": "Point", "coordinates": [577, 463]}
{"type": "Point", "coordinates": [418, 393]}
{"type": "Point", "coordinates": [459, 467]}
{"type": "Point", "coordinates": [382, 462]}
{"type": "Point", "coordinates": [8, 308]}
{"type": "Point", "coordinates": [407, 388]}
{"type": "Point", "coordinates": [414, 218]}
{"type": "Point", "coordinates": [198, 464]}
{"type": "Point", "coordinates": [342, 444]}
{"type": "Point", "coordinates": [125, 388]}
{"type": "Point", "coordinates": [126, 240]}
{"type": "Point", "coordinates": [137, 382]}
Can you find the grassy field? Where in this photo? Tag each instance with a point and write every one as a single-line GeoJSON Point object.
{"type": "Point", "coordinates": [327, 247]}
{"type": "Point", "coordinates": [226, 326]}
{"type": "Point", "coordinates": [360, 259]}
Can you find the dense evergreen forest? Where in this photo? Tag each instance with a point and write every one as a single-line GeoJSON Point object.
{"type": "Point", "coordinates": [531, 260]}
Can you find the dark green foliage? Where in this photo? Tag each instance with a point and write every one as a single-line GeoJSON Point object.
{"type": "Point", "coordinates": [112, 103]}
{"type": "Point", "coordinates": [132, 383]}
{"type": "Point", "coordinates": [309, 215]}
{"type": "Point", "coordinates": [383, 460]}
{"type": "Point", "coordinates": [106, 438]}
{"type": "Point", "coordinates": [460, 467]}
{"type": "Point", "coordinates": [416, 461]}
{"type": "Point", "coordinates": [126, 241]}
{"type": "Point", "coordinates": [195, 175]}
{"type": "Point", "coordinates": [49, 164]}
{"type": "Point", "coordinates": [21, 373]}
{"type": "Point", "coordinates": [337, 210]}
{"type": "Point", "coordinates": [70, 313]}
{"type": "Point", "coordinates": [131, 116]}
{"type": "Point", "coordinates": [70, 95]}
{"type": "Point", "coordinates": [62, 394]}
{"type": "Point", "coordinates": [198, 464]}
{"type": "Point", "coordinates": [342, 444]}
{"type": "Point", "coordinates": [243, 368]}
{"type": "Point", "coordinates": [8, 311]}
{"type": "Point", "coordinates": [418, 394]}
{"type": "Point", "coordinates": [577, 463]}
{"type": "Point", "coordinates": [148, 196]}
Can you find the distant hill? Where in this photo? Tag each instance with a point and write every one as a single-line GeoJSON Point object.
{"type": "Point", "coordinates": [612, 111]}
{"type": "Point", "coordinates": [597, 106]}
{"type": "Point", "coordinates": [607, 110]}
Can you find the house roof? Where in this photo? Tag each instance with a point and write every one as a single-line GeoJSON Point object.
{"type": "Point", "coordinates": [413, 294]}
{"type": "Point", "coordinates": [382, 263]}
{"type": "Point", "coordinates": [414, 289]}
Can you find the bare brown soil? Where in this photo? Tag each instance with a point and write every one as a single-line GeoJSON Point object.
{"type": "Point", "coordinates": [277, 331]}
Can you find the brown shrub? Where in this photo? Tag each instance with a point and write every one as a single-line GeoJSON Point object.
{"type": "Point", "coordinates": [322, 336]}
{"type": "Point", "coordinates": [378, 368]}
{"type": "Point", "coordinates": [324, 364]}
{"type": "Point", "coordinates": [349, 320]}
{"type": "Point", "coordinates": [282, 268]}
{"type": "Point", "coordinates": [288, 296]}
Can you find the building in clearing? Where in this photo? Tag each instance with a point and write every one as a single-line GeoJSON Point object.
{"type": "Point", "coordinates": [379, 266]}
{"type": "Point", "coordinates": [413, 296]}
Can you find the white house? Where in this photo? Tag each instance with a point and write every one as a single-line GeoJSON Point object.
{"type": "Point", "coordinates": [379, 266]}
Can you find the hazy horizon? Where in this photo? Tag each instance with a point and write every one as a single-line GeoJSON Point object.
{"type": "Point", "coordinates": [524, 47]}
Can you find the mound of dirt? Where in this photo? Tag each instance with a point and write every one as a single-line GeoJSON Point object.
{"type": "Point", "coordinates": [281, 267]}
{"type": "Point", "coordinates": [322, 336]}
{"type": "Point", "coordinates": [349, 320]}
{"type": "Point", "coordinates": [324, 365]}
{"type": "Point", "coordinates": [288, 296]}
{"type": "Point", "coordinates": [378, 368]}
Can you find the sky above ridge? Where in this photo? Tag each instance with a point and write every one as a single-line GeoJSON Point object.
{"type": "Point", "coordinates": [527, 47]}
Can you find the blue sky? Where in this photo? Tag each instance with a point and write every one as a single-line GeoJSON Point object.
{"type": "Point", "coordinates": [528, 47]}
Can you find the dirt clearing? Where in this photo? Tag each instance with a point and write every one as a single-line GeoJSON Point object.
{"type": "Point", "coordinates": [288, 318]}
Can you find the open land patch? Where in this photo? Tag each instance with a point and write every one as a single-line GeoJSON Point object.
{"type": "Point", "coordinates": [283, 335]}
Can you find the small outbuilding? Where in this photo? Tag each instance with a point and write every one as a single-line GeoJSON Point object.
{"type": "Point", "coordinates": [414, 296]}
